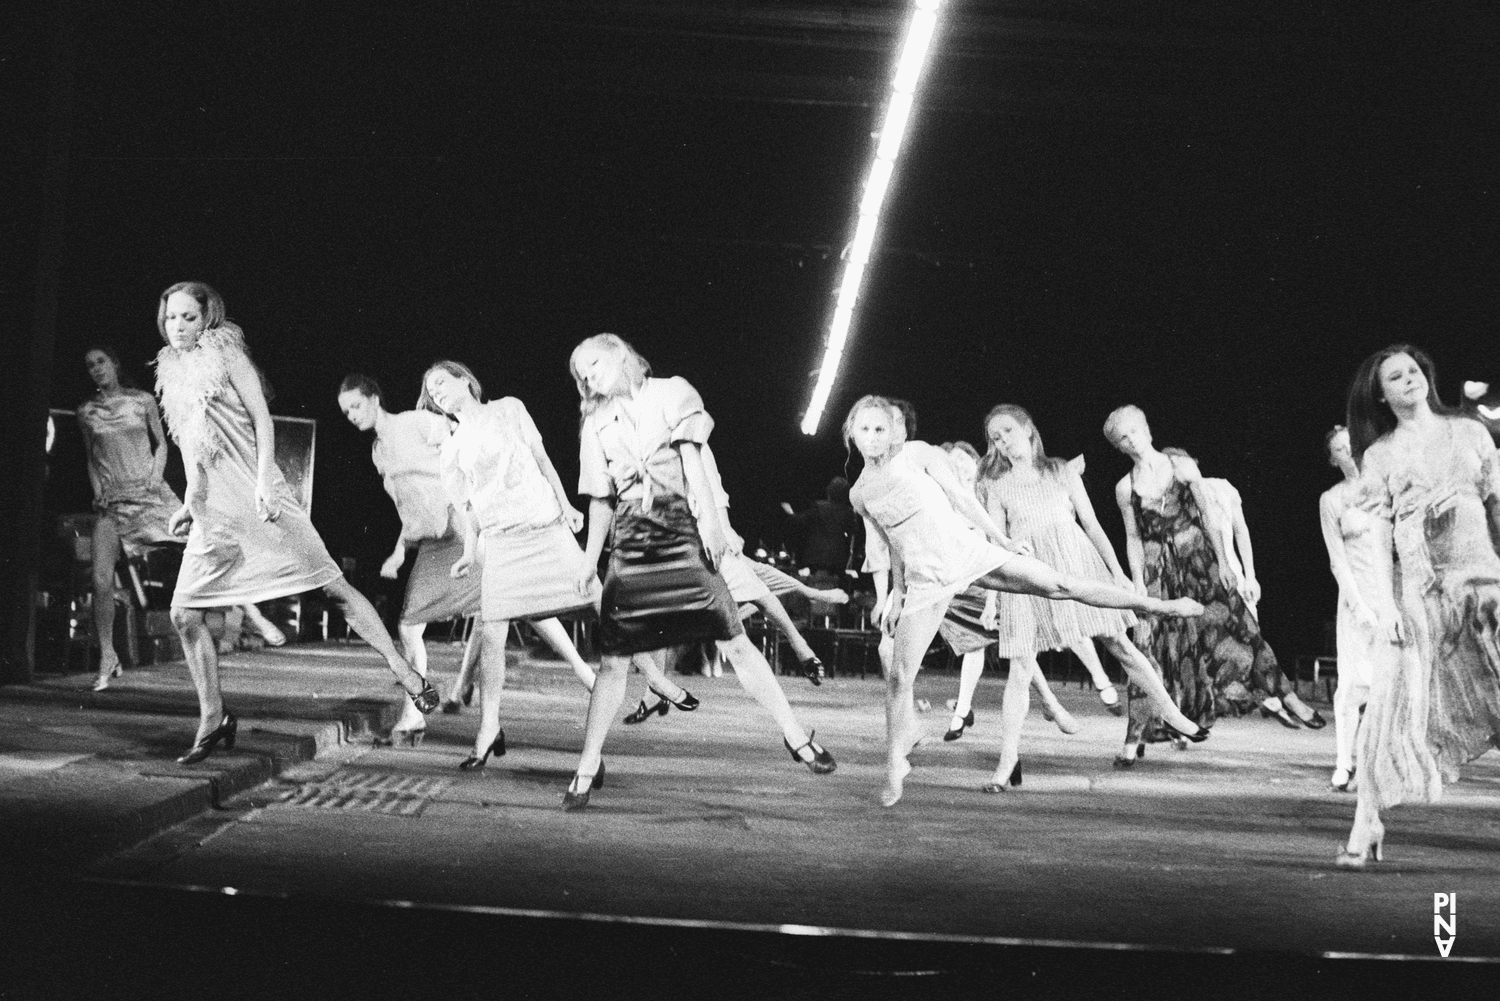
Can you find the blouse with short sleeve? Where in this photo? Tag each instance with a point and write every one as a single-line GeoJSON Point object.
{"type": "Point", "coordinates": [488, 464]}
{"type": "Point", "coordinates": [408, 455]}
{"type": "Point", "coordinates": [627, 447]}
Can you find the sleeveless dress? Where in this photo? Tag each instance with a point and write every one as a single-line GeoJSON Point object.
{"type": "Point", "coordinates": [131, 494]}
{"type": "Point", "coordinates": [1217, 664]}
{"type": "Point", "coordinates": [906, 510]}
{"type": "Point", "coordinates": [1042, 514]}
{"type": "Point", "coordinates": [408, 456]}
{"type": "Point", "coordinates": [233, 557]}
{"type": "Point", "coordinates": [530, 560]}
{"type": "Point", "coordinates": [1362, 555]}
{"type": "Point", "coordinates": [1437, 705]}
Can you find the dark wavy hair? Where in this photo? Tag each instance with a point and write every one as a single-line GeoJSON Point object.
{"type": "Point", "coordinates": [1369, 418]}
{"type": "Point", "coordinates": [108, 351]}
{"type": "Point", "coordinates": [365, 385]}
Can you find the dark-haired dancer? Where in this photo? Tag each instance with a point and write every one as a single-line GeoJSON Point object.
{"type": "Point", "coordinates": [498, 477]}
{"type": "Point", "coordinates": [407, 453]}
{"type": "Point", "coordinates": [1175, 550]}
{"type": "Point", "coordinates": [126, 451]}
{"type": "Point", "coordinates": [248, 538]}
{"type": "Point", "coordinates": [1434, 477]}
{"type": "Point", "coordinates": [640, 459]}
{"type": "Point", "coordinates": [916, 508]}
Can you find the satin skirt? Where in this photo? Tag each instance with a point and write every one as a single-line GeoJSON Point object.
{"type": "Point", "coordinates": [659, 589]}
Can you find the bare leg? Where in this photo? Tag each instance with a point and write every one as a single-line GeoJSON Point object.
{"type": "Point", "coordinates": [415, 649]}
{"type": "Point", "coordinates": [969, 673]}
{"type": "Point", "coordinates": [557, 638]}
{"type": "Point", "coordinates": [1367, 834]}
{"type": "Point", "coordinates": [914, 632]}
{"type": "Point", "coordinates": [492, 683]}
{"type": "Point", "coordinates": [234, 628]}
{"type": "Point", "coordinates": [267, 628]}
{"type": "Point", "coordinates": [1140, 670]}
{"type": "Point", "coordinates": [1012, 717]}
{"type": "Point", "coordinates": [203, 665]}
{"type": "Point", "coordinates": [1026, 575]}
{"type": "Point", "coordinates": [1086, 653]}
{"type": "Point", "coordinates": [760, 684]}
{"type": "Point", "coordinates": [1051, 708]}
{"type": "Point", "coordinates": [653, 666]}
{"type": "Point", "coordinates": [776, 612]}
{"type": "Point", "coordinates": [604, 702]}
{"type": "Point", "coordinates": [361, 616]}
{"type": "Point", "coordinates": [467, 667]}
{"type": "Point", "coordinates": [106, 554]}
{"type": "Point", "coordinates": [1348, 699]}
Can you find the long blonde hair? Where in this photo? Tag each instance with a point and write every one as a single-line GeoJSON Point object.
{"type": "Point", "coordinates": [634, 370]}
{"type": "Point", "coordinates": [458, 370]}
{"type": "Point", "coordinates": [995, 464]}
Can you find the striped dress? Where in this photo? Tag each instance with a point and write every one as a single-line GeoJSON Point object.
{"type": "Point", "coordinates": [1041, 513]}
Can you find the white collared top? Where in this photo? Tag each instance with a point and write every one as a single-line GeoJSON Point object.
{"type": "Point", "coordinates": [627, 447]}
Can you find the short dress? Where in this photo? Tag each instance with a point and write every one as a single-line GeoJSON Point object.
{"type": "Point", "coordinates": [408, 455]}
{"type": "Point", "coordinates": [130, 493]}
{"type": "Point", "coordinates": [531, 561]}
{"type": "Point", "coordinates": [1359, 550]}
{"type": "Point", "coordinates": [233, 556]}
{"type": "Point", "coordinates": [1436, 705]}
{"type": "Point", "coordinates": [906, 511]}
{"type": "Point", "coordinates": [1042, 514]}
{"type": "Point", "coordinates": [659, 588]}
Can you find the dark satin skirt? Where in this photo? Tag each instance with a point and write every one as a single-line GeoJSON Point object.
{"type": "Point", "coordinates": [659, 590]}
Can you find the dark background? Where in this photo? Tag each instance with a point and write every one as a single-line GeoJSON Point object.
{"type": "Point", "coordinates": [1211, 209]}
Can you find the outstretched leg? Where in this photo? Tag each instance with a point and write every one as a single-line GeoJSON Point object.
{"type": "Point", "coordinates": [1145, 677]}
{"type": "Point", "coordinates": [362, 618]}
{"type": "Point", "coordinates": [759, 683]}
{"type": "Point", "coordinates": [1027, 575]}
{"type": "Point", "coordinates": [1051, 708]}
{"type": "Point", "coordinates": [269, 630]}
{"type": "Point", "coordinates": [557, 638]}
{"type": "Point", "coordinates": [415, 650]}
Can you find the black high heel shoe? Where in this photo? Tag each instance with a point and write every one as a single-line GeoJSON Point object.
{"type": "Point", "coordinates": [1283, 717]}
{"type": "Point", "coordinates": [1014, 781]}
{"type": "Point", "coordinates": [578, 800]}
{"type": "Point", "coordinates": [497, 748]}
{"type": "Point", "coordinates": [426, 700]}
{"type": "Point", "coordinates": [686, 704]}
{"type": "Point", "coordinates": [1317, 722]}
{"type": "Point", "coordinates": [644, 712]}
{"type": "Point", "coordinates": [1196, 738]}
{"type": "Point", "coordinates": [967, 722]}
{"type": "Point", "coordinates": [223, 733]}
{"type": "Point", "coordinates": [812, 670]}
{"type": "Point", "coordinates": [822, 762]}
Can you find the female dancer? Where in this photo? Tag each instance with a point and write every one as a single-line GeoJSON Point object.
{"type": "Point", "coordinates": [1225, 515]}
{"type": "Point", "coordinates": [248, 538]}
{"type": "Point", "coordinates": [970, 625]}
{"type": "Point", "coordinates": [752, 585]}
{"type": "Point", "coordinates": [640, 459]}
{"type": "Point", "coordinates": [910, 498]}
{"type": "Point", "coordinates": [1173, 551]}
{"type": "Point", "coordinates": [127, 454]}
{"type": "Point", "coordinates": [406, 453]}
{"type": "Point", "coordinates": [1359, 544]}
{"type": "Point", "coordinates": [1434, 478]}
{"type": "Point", "coordinates": [499, 479]}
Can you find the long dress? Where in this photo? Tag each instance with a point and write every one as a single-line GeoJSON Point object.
{"type": "Point", "coordinates": [1042, 514]}
{"type": "Point", "coordinates": [408, 456]}
{"type": "Point", "coordinates": [659, 588]}
{"type": "Point", "coordinates": [233, 556]}
{"type": "Point", "coordinates": [1359, 547]}
{"type": "Point", "coordinates": [1438, 705]}
{"type": "Point", "coordinates": [907, 511]}
{"type": "Point", "coordinates": [1216, 664]}
{"type": "Point", "coordinates": [130, 492]}
{"type": "Point", "coordinates": [531, 561]}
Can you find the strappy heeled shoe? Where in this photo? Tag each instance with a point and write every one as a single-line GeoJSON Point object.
{"type": "Point", "coordinates": [812, 670]}
{"type": "Point", "coordinates": [473, 762]}
{"type": "Point", "coordinates": [223, 733]}
{"type": "Point", "coordinates": [1359, 860]}
{"type": "Point", "coordinates": [822, 762]}
{"type": "Point", "coordinates": [964, 722]}
{"type": "Point", "coordinates": [1014, 781]}
{"type": "Point", "coordinates": [578, 800]}
{"type": "Point", "coordinates": [1314, 722]}
{"type": "Point", "coordinates": [1199, 737]}
{"type": "Point", "coordinates": [644, 712]}
{"type": "Point", "coordinates": [426, 700]}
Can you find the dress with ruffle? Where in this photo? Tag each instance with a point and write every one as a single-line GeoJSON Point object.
{"type": "Point", "coordinates": [1437, 705]}
{"type": "Point", "coordinates": [233, 556]}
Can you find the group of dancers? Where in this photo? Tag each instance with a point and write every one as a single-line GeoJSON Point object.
{"type": "Point", "coordinates": [1001, 550]}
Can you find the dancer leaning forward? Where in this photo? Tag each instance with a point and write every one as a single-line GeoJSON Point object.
{"type": "Point", "coordinates": [248, 538]}
{"type": "Point", "coordinates": [912, 501]}
{"type": "Point", "coordinates": [640, 460]}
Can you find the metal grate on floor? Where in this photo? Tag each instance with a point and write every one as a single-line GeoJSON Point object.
{"type": "Point", "coordinates": [368, 792]}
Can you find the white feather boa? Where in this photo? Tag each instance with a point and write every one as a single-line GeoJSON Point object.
{"type": "Point", "coordinates": [187, 380]}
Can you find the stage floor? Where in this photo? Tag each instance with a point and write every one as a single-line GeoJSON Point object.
{"type": "Point", "coordinates": [705, 821]}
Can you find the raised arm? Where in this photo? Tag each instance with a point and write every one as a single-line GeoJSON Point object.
{"type": "Point", "coordinates": [1084, 509]}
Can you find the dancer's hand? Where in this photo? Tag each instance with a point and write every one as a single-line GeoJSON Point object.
{"type": "Point", "coordinates": [573, 518]}
{"type": "Point", "coordinates": [891, 615]}
{"type": "Point", "coordinates": [462, 566]}
{"type": "Point", "coordinates": [715, 545]}
{"type": "Point", "coordinates": [989, 618]}
{"type": "Point", "coordinates": [585, 580]}
{"type": "Point", "coordinates": [1365, 617]}
{"type": "Point", "coordinates": [266, 504]}
{"type": "Point", "coordinates": [181, 521]}
{"type": "Point", "coordinates": [1228, 577]}
{"type": "Point", "coordinates": [392, 563]}
{"type": "Point", "coordinates": [1251, 591]}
